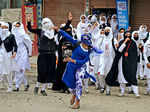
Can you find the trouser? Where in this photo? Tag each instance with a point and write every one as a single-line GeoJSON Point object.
{"type": "Point", "coordinates": [135, 89]}
{"type": "Point", "coordinates": [44, 85]}
{"type": "Point", "coordinates": [78, 90]}
{"type": "Point", "coordinates": [141, 70]}
{"type": "Point", "coordinates": [102, 81]}
{"type": "Point", "coordinates": [148, 85]}
{"type": "Point", "coordinates": [86, 83]}
{"type": "Point", "coordinates": [20, 78]}
{"type": "Point", "coordinates": [7, 77]}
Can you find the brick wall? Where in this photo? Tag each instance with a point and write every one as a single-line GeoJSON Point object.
{"type": "Point", "coordinates": [102, 3]}
{"type": "Point", "coordinates": [57, 10]}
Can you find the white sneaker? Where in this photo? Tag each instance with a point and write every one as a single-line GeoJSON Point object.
{"type": "Point", "coordinates": [147, 93]}
{"type": "Point", "coordinates": [9, 90]}
{"type": "Point", "coordinates": [137, 96]}
{"type": "Point", "coordinates": [86, 91]}
{"type": "Point", "coordinates": [121, 95]}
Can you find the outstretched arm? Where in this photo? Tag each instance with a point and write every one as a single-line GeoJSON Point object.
{"type": "Point", "coordinates": [68, 37]}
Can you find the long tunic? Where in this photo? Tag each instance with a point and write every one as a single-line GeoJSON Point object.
{"type": "Point", "coordinates": [80, 56]}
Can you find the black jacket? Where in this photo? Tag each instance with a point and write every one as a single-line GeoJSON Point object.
{"type": "Point", "coordinates": [10, 43]}
{"type": "Point", "coordinates": [44, 44]}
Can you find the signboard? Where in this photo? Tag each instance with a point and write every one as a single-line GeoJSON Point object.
{"type": "Point", "coordinates": [26, 11]}
{"type": "Point", "coordinates": [122, 13]}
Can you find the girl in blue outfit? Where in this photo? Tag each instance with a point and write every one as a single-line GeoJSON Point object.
{"type": "Point", "coordinates": [76, 66]}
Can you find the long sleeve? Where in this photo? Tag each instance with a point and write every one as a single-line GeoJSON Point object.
{"type": "Point", "coordinates": [36, 31]}
{"type": "Point", "coordinates": [15, 47]}
{"type": "Point", "coordinates": [121, 48]}
{"type": "Point", "coordinates": [68, 37]}
{"type": "Point", "coordinates": [144, 54]}
{"type": "Point", "coordinates": [79, 32]}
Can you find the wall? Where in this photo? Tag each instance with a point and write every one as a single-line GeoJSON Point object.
{"type": "Point", "coordinates": [57, 10]}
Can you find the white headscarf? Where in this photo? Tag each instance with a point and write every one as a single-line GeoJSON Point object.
{"type": "Point", "coordinates": [110, 36]}
{"type": "Point", "coordinates": [0, 28]}
{"type": "Point", "coordinates": [94, 18]}
{"type": "Point", "coordinates": [81, 27]}
{"type": "Point", "coordinates": [136, 41]}
{"type": "Point", "coordinates": [113, 23]}
{"type": "Point", "coordinates": [102, 22]}
{"type": "Point", "coordinates": [18, 31]}
{"type": "Point", "coordinates": [5, 32]}
{"type": "Point", "coordinates": [47, 25]}
{"type": "Point", "coordinates": [22, 37]}
{"type": "Point", "coordinates": [142, 32]}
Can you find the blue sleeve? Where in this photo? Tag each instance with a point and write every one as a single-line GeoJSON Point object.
{"type": "Point", "coordinates": [68, 37]}
{"type": "Point", "coordinates": [81, 62]}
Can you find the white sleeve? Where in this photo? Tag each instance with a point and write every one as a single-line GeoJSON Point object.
{"type": "Point", "coordinates": [28, 44]}
{"type": "Point", "coordinates": [78, 32]}
{"type": "Point", "coordinates": [121, 48]}
{"type": "Point", "coordinates": [144, 54]}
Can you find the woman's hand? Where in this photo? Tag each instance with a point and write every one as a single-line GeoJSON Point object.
{"type": "Point", "coordinates": [70, 16]}
{"type": "Point", "coordinates": [69, 60]}
{"type": "Point", "coordinates": [14, 55]}
{"type": "Point", "coordinates": [29, 18]}
{"type": "Point", "coordinates": [126, 40]}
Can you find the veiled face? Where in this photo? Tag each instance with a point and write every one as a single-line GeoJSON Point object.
{"type": "Point", "coordinates": [107, 30]}
{"type": "Point", "coordinates": [17, 25]}
{"type": "Point", "coordinates": [121, 31]}
{"type": "Point", "coordinates": [102, 32]}
{"type": "Point", "coordinates": [135, 35]}
{"type": "Point", "coordinates": [83, 19]}
{"type": "Point", "coordinates": [128, 34]}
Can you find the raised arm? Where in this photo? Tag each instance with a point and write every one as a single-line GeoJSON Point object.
{"type": "Point", "coordinates": [37, 31]}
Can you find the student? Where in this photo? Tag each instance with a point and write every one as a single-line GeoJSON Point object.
{"type": "Point", "coordinates": [46, 63]}
{"type": "Point", "coordinates": [8, 50]}
{"type": "Point", "coordinates": [147, 61]}
{"type": "Point", "coordinates": [75, 65]}
{"type": "Point", "coordinates": [106, 59]}
{"type": "Point", "coordinates": [24, 44]}
{"type": "Point", "coordinates": [124, 66]}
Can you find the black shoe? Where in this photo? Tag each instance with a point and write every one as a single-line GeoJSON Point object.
{"type": "Point", "coordinates": [36, 89]}
{"type": "Point", "coordinates": [16, 90]}
{"type": "Point", "coordinates": [130, 92]}
{"type": "Point", "coordinates": [62, 91]}
{"type": "Point", "coordinates": [43, 93]}
{"type": "Point", "coordinates": [27, 88]}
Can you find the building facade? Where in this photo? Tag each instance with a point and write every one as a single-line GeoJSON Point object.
{"type": "Point", "coordinates": [57, 9]}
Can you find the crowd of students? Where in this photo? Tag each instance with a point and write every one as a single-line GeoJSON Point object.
{"type": "Point", "coordinates": [96, 51]}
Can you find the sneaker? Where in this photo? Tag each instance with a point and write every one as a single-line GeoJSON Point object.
{"type": "Point", "coordinates": [147, 93]}
{"type": "Point", "coordinates": [9, 90]}
{"type": "Point", "coordinates": [86, 91]}
{"type": "Point", "coordinates": [36, 89]}
{"type": "Point", "coordinates": [121, 95]}
{"type": "Point", "coordinates": [43, 93]}
{"type": "Point", "coordinates": [27, 88]}
{"type": "Point", "coordinates": [16, 90]}
{"type": "Point", "coordinates": [108, 93]}
{"type": "Point", "coordinates": [137, 96]}
{"type": "Point", "coordinates": [102, 90]}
